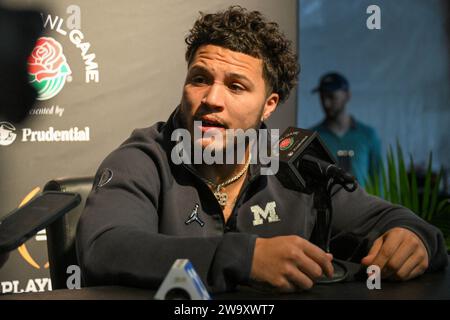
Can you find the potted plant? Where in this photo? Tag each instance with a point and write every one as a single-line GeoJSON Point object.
{"type": "Point", "coordinates": [398, 185]}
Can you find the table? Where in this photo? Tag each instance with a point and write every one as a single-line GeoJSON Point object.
{"type": "Point", "coordinates": [434, 286]}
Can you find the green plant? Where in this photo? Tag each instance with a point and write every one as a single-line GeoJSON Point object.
{"type": "Point", "coordinates": [396, 185]}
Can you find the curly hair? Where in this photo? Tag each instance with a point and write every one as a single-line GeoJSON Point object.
{"type": "Point", "coordinates": [250, 33]}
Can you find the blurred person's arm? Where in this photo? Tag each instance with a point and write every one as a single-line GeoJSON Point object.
{"type": "Point", "coordinates": [19, 30]}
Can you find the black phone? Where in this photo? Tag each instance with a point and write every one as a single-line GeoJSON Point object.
{"type": "Point", "coordinates": [41, 211]}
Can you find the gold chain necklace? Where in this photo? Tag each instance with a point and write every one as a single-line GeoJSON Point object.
{"type": "Point", "coordinates": [222, 197]}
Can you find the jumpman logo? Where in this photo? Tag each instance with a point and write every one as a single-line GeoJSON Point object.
{"type": "Point", "coordinates": [194, 217]}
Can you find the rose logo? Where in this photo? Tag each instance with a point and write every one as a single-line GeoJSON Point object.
{"type": "Point", "coordinates": [48, 68]}
{"type": "Point", "coordinates": [286, 143]}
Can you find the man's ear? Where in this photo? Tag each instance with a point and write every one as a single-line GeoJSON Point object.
{"type": "Point", "coordinates": [270, 105]}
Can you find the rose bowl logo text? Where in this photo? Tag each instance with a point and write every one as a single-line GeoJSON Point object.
{"type": "Point", "coordinates": [48, 68]}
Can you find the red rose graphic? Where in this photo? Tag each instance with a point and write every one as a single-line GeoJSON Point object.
{"type": "Point", "coordinates": [284, 143]}
{"type": "Point", "coordinates": [46, 59]}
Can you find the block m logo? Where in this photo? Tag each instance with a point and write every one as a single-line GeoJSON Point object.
{"type": "Point", "coordinates": [269, 214]}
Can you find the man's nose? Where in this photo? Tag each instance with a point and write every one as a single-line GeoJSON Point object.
{"type": "Point", "coordinates": [327, 103]}
{"type": "Point", "coordinates": [215, 96]}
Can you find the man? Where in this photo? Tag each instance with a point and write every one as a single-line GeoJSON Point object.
{"type": "Point", "coordinates": [234, 224]}
{"type": "Point", "coordinates": [356, 145]}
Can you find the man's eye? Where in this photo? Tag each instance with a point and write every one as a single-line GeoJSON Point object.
{"type": "Point", "coordinates": [237, 87]}
{"type": "Point", "coordinates": [198, 79]}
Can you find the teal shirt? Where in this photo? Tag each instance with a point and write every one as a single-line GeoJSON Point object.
{"type": "Point", "coordinates": [362, 140]}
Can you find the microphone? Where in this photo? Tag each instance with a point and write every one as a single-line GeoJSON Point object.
{"type": "Point", "coordinates": [182, 283]}
{"type": "Point", "coordinates": [305, 162]}
{"type": "Point", "coordinates": [327, 169]}
{"type": "Point", "coordinates": [306, 165]}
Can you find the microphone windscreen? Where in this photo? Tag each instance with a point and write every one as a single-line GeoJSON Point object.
{"type": "Point", "coordinates": [294, 143]}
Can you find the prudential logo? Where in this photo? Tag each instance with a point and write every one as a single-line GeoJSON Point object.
{"type": "Point", "coordinates": [48, 69]}
{"type": "Point", "coordinates": [7, 133]}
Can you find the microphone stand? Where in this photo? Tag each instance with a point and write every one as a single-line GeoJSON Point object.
{"type": "Point", "coordinates": [321, 189]}
{"type": "Point", "coordinates": [322, 204]}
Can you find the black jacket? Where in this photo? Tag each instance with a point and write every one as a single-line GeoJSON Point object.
{"type": "Point", "coordinates": [133, 227]}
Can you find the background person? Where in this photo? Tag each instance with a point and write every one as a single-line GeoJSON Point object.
{"type": "Point", "coordinates": [354, 144]}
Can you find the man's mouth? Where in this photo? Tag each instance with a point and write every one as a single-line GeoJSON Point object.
{"type": "Point", "coordinates": [210, 123]}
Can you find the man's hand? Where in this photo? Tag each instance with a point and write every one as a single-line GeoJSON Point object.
{"type": "Point", "coordinates": [289, 263]}
{"type": "Point", "coordinates": [400, 254]}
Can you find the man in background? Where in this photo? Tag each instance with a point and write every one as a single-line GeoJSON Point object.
{"type": "Point", "coordinates": [355, 145]}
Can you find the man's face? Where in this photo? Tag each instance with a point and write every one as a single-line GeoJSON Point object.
{"type": "Point", "coordinates": [333, 102]}
{"type": "Point", "coordinates": [225, 90]}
